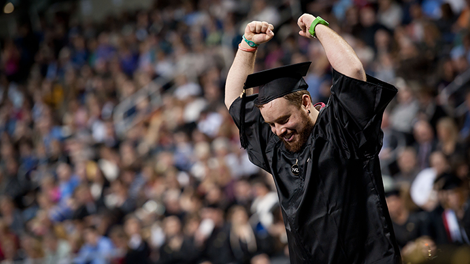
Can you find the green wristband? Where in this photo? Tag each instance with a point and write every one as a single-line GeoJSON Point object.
{"type": "Point", "coordinates": [318, 20]}
{"type": "Point", "coordinates": [250, 43]}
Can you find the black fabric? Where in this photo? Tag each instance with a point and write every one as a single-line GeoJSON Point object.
{"type": "Point", "coordinates": [186, 254]}
{"type": "Point", "coordinates": [217, 247]}
{"type": "Point", "coordinates": [138, 255]}
{"type": "Point", "coordinates": [279, 88]}
{"type": "Point", "coordinates": [295, 71]}
{"type": "Point", "coordinates": [448, 181]}
{"type": "Point", "coordinates": [335, 210]}
{"type": "Point", "coordinates": [243, 139]}
{"type": "Point", "coordinates": [241, 252]}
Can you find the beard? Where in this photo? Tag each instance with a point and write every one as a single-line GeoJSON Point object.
{"type": "Point", "coordinates": [301, 135]}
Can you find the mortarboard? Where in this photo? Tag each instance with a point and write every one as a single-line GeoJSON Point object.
{"type": "Point", "coordinates": [448, 181]}
{"type": "Point", "coordinates": [273, 83]}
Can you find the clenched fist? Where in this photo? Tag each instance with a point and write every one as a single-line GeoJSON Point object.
{"type": "Point", "coordinates": [259, 32]}
{"type": "Point", "coordinates": [304, 23]}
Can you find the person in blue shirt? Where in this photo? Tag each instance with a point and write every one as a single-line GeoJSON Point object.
{"type": "Point", "coordinates": [96, 250]}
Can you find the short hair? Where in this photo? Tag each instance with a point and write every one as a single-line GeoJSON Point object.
{"type": "Point", "coordinates": [295, 98]}
{"type": "Point", "coordinates": [91, 228]}
{"type": "Point", "coordinates": [448, 124]}
{"type": "Point", "coordinates": [261, 182]}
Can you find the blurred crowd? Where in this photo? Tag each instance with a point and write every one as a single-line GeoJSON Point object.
{"type": "Point", "coordinates": [175, 186]}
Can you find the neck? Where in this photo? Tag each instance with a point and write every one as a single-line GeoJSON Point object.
{"type": "Point", "coordinates": [314, 113]}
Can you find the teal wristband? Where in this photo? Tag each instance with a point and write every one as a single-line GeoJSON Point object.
{"type": "Point", "coordinates": [250, 43]}
{"type": "Point", "coordinates": [318, 20]}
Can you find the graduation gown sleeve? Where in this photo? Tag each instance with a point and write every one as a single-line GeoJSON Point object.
{"type": "Point", "coordinates": [358, 109]}
{"type": "Point", "coordinates": [257, 131]}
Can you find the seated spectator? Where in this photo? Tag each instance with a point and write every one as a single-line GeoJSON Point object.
{"type": "Point", "coordinates": [263, 204]}
{"type": "Point", "coordinates": [9, 243]}
{"type": "Point", "coordinates": [407, 225]}
{"type": "Point", "coordinates": [118, 201]}
{"type": "Point", "coordinates": [213, 234]}
{"type": "Point", "coordinates": [32, 249]}
{"type": "Point", "coordinates": [83, 203]}
{"type": "Point", "coordinates": [243, 194]}
{"type": "Point", "coordinates": [40, 224]}
{"type": "Point", "coordinates": [57, 251]}
{"type": "Point", "coordinates": [96, 250]}
{"type": "Point", "coordinates": [50, 188]}
{"type": "Point", "coordinates": [393, 141]}
{"type": "Point", "coordinates": [389, 14]}
{"type": "Point", "coordinates": [67, 181]}
{"type": "Point", "coordinates": [57, 212]}
{"type": "Point", "coordinates": [10, 252]}
{"type": "Point", "coordinates": [422, 189]}
{"type": "Point", "coordinates": [12, 185]}
{"type": "Point", "coordinates": [119, 239]}
{"type": "Point", "coordinates": [425, 143]}
{"type": "Point", "coordinates": [464, 120]}
{"type": "Point", "coordinates": [429, 109]}
{"type": "Point", "coordinates": [449, 142]}
{"type": "Point", "coordinates": [176, 249]}
{"type": "Point", "coordinates": [245, 242]}
{"type": "Point", "coordinates": [237, 161]}
{"type": "Point", "coordinates": [11, 215]}
{"type": "Point", "coordinates": [278, 232]}
{"type": "Point", "coordinates": [408, 167]}
{"type": "Point", "coordinates": [445, 223]}
{"type": "Point", "coordinates": [139, 250]}
{"type": "Point", "coordinates": [98, 183]}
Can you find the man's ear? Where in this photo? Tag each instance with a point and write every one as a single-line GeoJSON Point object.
{"type": "Point", "coordinates": [306, 101]}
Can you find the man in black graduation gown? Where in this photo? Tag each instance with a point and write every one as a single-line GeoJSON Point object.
{"type": "Point", "coordinates": [324, 161]}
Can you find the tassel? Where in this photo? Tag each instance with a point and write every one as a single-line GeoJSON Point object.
{"type": "Point", "coordinates": [243, 138]}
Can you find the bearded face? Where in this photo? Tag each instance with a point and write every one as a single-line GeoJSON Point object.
{"type": "Point", "coordinates": [289, 122]}
{"type": "Point", "coordinates": [299, 138]}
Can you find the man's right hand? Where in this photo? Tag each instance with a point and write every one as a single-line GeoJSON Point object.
{"type": "Point", "coordinates": [259, 32]}
{"type": "Point", "coordinates": [244, 62]}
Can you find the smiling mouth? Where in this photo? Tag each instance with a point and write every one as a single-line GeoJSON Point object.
{"type": "Point", "coordinates": [289, 138]}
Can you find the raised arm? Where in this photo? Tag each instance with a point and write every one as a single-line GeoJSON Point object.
{"type": "Point", "coordinates": [244, 62]}
{"type": "Point", "coordinates": [339, 53]}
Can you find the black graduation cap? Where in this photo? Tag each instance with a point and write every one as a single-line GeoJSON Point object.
{"type": "Point", "coordinates": [273, 83]}
{"type": "Point", "coordinates": [277, 82]}
{"type": "Point", "coordinates": [448, 181]}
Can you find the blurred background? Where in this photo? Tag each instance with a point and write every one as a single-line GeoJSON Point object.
{"type": "Point", "coordinates": [116, 146]}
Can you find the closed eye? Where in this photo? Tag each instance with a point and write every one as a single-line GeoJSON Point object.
{"type": "Point", "coordinates": [282, 122]}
